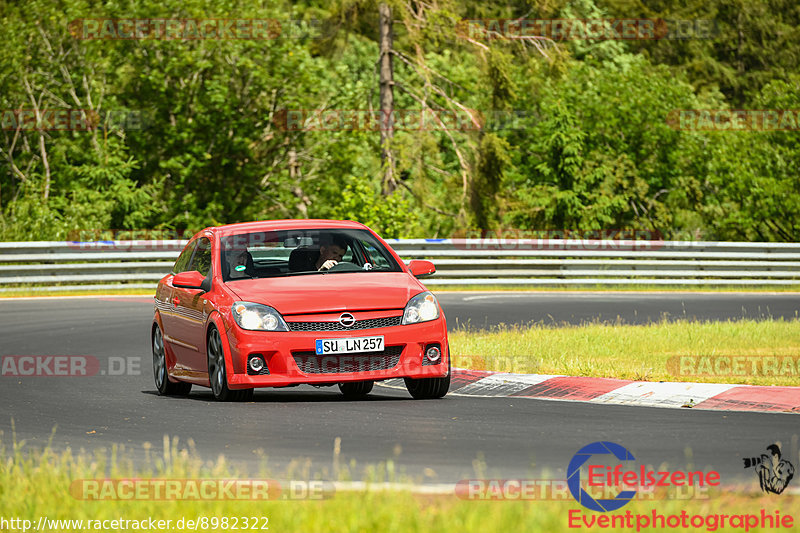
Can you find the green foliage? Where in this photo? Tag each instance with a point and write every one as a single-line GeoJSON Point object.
{"type": "Point", "coordinates": [391, 217]}
{"type": "Point", "coordinates": [753, 177]}
{"type": "Point", "coordinates": [601, 154]}
{"type": "Point", "coordinates": [750, 44]}
{"type": "Point", "coordinates": [493, 159]}
{"type": "Point", "coordinates": [590, 147]}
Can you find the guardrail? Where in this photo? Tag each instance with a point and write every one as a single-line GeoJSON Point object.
{"type": "Point", "coordinates": [139, 264]}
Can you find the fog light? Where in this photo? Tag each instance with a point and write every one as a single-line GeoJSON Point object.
{"type": "Point", "coordinates": [256, 364]}
{"type": "Point", "coordinates": [433, 354]}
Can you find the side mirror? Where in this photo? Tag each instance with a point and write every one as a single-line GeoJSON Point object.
{"type": "Point", "coordinates": [421, 268]}
{"type": "Point", "coordinates": [189, 280]}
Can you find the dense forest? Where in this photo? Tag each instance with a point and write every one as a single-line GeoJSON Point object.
{"type": "Point", "coordinates": [493, 127]}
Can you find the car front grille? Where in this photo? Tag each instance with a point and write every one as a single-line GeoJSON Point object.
{"type": "Point", "coordinates": [336, 326]}
{"type": "Point", "coordinates": [311, 363]}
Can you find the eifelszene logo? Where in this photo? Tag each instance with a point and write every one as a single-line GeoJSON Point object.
{"type": "Point", "coordinates": [774, 473]}
{"type": "Point", "coordinates": [617, 477]}
{"type": "Point", "coordinates": [574, 476]}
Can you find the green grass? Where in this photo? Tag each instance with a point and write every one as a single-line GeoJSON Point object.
{"type": "Point", "coordinates": [34, 484]}
{"type": "Point", "coordinates": [647, 352]}
{"type": "Point", "coordinates": [25, 293]}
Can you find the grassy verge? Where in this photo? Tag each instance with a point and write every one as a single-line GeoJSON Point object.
{"type": "Point", "coordinates": [24, 293]}
{"type": "Point", "coordinates": [651, 352]}
{"type": "Point", "coordinates": [34, 485]}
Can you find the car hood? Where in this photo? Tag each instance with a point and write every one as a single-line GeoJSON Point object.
{"type": "Point", "coordinates": [320, 293]}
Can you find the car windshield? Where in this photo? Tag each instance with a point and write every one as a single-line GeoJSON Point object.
{"type": "Point", "coordinates": [269, 254]}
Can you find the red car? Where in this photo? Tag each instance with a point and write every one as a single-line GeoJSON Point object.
{"type": "Point", "coordinates": [286, 302]}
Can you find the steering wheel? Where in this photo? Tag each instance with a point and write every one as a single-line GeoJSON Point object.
{"type": "Point", "coordinates": [344, 266]}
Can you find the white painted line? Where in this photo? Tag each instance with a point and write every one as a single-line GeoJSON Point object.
{"type": "Point", "coordinates": [495, 296]}
{"type": "Point", "coordinates": [76, 297]}
{"type": "Point", "coordinates": [581, 295]}
{"type": "Point", "coordinates": [662, 394]}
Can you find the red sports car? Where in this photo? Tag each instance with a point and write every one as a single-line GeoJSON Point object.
{"type": "Point", "coordinates": [285, 302]}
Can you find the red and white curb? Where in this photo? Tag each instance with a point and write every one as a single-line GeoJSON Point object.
{"type": "Point", "coordinates": [608, 391]}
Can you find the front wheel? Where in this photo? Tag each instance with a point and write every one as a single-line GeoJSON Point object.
{"type": "Point", "coordinates": [217, 375]}
{"type": "Point", "coordinates": [163, 384]}
{"type": "Point", "coordinates": [430, 388]}
{"type": "Point", "coordinates": [356, 389]}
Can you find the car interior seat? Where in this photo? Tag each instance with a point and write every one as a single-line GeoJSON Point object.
{"type": "Point", "coordinates": [303, 259]}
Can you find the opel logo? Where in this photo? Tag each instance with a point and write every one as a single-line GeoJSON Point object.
{"type": "Point", "coordinates": [347, 320]}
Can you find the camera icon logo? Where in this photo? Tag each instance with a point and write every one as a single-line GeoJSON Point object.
{"type": "Point", "coordinates": [774, 473]}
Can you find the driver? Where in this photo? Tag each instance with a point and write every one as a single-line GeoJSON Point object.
{"type": "Point", "coordinates": [331, 250]}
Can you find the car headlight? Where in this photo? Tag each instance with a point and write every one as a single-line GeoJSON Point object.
{"type": "Point", "coordinates": [421, 308]}
{"type": "Point", "coordinates": [257, 317]}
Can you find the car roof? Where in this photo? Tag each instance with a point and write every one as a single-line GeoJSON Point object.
{"type": "Point", "coordinates": [266, 225]}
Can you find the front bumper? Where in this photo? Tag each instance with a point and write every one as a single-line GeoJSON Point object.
{"type": "Point", "coordinates": [291, 359]}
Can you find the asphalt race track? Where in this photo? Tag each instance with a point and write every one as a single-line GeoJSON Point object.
{"type": "Point", "coordinates": [432, 441]}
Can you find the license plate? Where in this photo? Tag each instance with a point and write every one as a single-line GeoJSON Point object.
{"type": "Point", "coordinates": [349, 345]}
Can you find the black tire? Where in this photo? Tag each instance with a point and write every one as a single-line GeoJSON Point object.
{"type": "Point", "coordinates": [164, 386]}
{"type": "Point", "coordinates": [430, 388]}
{"type": "Point", "coordinates": [217, 376]}
{"type": "Point", "coordinates": [356, 389]}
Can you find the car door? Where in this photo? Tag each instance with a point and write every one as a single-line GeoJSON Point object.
{"type": "Point", "coordinates": [190, 313]}
{"type": "Point", "coordinates": [169, 313]}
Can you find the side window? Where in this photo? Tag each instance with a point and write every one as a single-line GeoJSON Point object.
{"type": "Point", "coordinates": [376, 257]}
{"type": "Point", "coordinates": [202, 257]}
{"type": "Point", "coordinates": [183, 260]}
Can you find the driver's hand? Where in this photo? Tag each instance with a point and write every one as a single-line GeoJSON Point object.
{"type": "Point", "coordinates": [330, 263]}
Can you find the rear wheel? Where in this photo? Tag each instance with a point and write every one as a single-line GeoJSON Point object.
{"type": "Point", "coordinates": [430, 388]}
{"type": "Point", "coordinates": [217, 375]}
{"type": "Point", "coordinates": [356, 389]}
{"type": "Point", "coordinates": [163, 384]}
